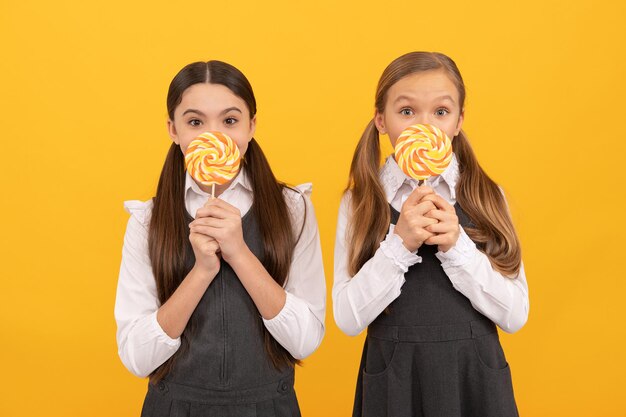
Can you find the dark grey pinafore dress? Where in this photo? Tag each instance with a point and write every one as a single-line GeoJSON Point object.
{"type": "Point", "coordinates": [432, 354]}
{"type": "Point", "coordinates": [226, 371]}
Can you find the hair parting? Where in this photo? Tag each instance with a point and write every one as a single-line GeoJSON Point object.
{"type": "Point", "coordinates": [168, 240]}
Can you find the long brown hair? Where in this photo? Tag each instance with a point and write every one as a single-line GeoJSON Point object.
{"type": "Point", "coordinates": [477, 194]}
{"type": "Point", "coordinates": [168, 239]}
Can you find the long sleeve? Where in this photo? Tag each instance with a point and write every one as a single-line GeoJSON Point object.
{"type": "Point", "coordinates": [142, 343]}
{"type": "Point", "coordinates": [299, 326]}
{"type": "Point", "coordinates": [358, 300]}
{"type": "Point", "coordinates": [503, 300]}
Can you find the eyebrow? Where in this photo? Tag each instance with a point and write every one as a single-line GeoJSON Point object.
{"type": "Point", "coordinates": [446, 97]}
{"type": "Point", "coordinates": [401, 97]}
{"type": "Point", "coordinates": [231, 109]}
{"type": "Point", "coordinates": [193, 111]}
{"type": "Point", "coordinates": [405, 97]}
{"type": "Point", "coordinates": [221, 113]}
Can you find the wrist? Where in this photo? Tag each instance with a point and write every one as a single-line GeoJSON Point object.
{"type": "Point", "coordinates": [203, 272]}
{"type": "Point", "coordinates": [405, 243]}
{"type": "Point", "coordinates": [410, 248]}
{"type": "Point", "coordinates": [444, 248]}
{"type": "Point", "coordinates": [239, 256]}
{"type": "Point", "coordinates": [393, 248]}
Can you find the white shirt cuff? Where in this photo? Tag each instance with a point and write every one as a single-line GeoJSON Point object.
{"type": "Point", "coordinates": [394, 249]}
{"type": "Point", "coordinates": [296, 328]}
{"type": "Point", "coordinates": [460, 254]}
{"type": "Point", "coordinates": [156, 329]}
{"type": "Point", "coordinates": [283, 314]}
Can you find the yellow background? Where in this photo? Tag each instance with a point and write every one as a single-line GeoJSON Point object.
{"type": "Point", "coordinates": [82, 98]}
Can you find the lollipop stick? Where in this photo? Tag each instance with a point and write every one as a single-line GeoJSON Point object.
{"type": "Point", "coordinates": [213, 190]}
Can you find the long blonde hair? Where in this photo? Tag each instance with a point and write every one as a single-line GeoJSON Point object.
{"type": "Point", "coordinates": [478, 195]}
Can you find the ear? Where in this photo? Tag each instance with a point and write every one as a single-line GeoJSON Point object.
{"type": "Point", "coordinates": [171, 129]}
{"type": "Point", "coordinates": [379, 121]}
{"type": "Point", "coordinates": [252, 127]}
{"type": "Point", "coordinates": [459, 124]}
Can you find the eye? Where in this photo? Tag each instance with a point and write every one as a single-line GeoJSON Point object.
{"type": "Point", "coordinates": [230, 121]}
{"type": "Point", "coordinates": [406, 112]}
{"type": "Point", "coordinates": [442, 112]}
{"type": "Point", "coordinates": [194, 122]}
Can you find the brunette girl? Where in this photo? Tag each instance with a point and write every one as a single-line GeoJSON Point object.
{"type": "Point", "coordinates": [219, 298]}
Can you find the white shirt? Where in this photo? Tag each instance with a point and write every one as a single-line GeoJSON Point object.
{"type": "Point", "coordinates": [298, 327]}
{"type": "Point", "coordinates": [358, 300]}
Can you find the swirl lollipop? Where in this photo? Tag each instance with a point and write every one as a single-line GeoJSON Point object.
{"type": "Point", "coordinates": [423, 151]}
{"type": "Point", "coordinates": [212, 158]}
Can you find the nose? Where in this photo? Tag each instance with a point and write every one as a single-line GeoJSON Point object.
{"type": "Point", "coordinates": [423, 119]}
{"type": "Point", "coordinates": [212, 125]}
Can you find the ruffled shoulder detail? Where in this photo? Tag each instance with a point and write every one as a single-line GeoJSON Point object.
{"type": "Point", "coordinates": [298, 198]}
{"type": "Point", "coordinates": [295, 194]}
{"type": "Point", "coordinates": [306, 188]}
{"type": "Point", "coordinates": [140, 210]}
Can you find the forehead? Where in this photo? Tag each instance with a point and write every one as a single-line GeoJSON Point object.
{"type": "Point", "coordinates": [423, 86]}
{"type": "Point", "coordinates": [210, 98]}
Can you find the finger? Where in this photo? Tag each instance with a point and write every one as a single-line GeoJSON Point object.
{"type": "Point", "coordinates": [208, 238]}
{"type": "Point", "coordinates": [424, 235]}
{"type": "Point", "coordinates": [442, 216]}
{"type": "Point", "coordinates": [212, 247]}
{"type": "Point", "coordinates": [423, 208]}
{"type": "Point", "coordinates": [209, 231]}
{"type": "Point", "coordinates": [218, 202]}
{"type": "Point", "coordinates": [209, 200]}
{"type": "Point", "coordinates": [439, 240]}
{"type": "Point", "coordinates": [424, 222]}
{"type": "Point", "coordinates": [417, 194]}
{"type": "Point", "coordinates": [208, 221]}
{"type": "Point", "coordinates": [203, 241]}
{"type": "Point", "coordinates": [441, 228]}
{"type": "Point", "coordinates": [213, 211]}
{"type": "Point", "coordinates": [440, 202]}
{"type": "Point", "coordinates": [206, 247]}
{"type": "Point", "coordinates": [199, 239]}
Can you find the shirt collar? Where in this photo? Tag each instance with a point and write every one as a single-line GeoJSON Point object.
{"type": "Point", "coordinates": [241, 180]}
{"type": "Point", "coordinates": [450, 177]}
{"type": "Point", "coordinates": [392, 178]}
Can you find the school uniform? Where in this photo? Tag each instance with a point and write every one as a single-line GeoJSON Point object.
{"type": "Point", "coordinates": [225, 370]}
{"type": "Point", "coordinates": [432, 347]}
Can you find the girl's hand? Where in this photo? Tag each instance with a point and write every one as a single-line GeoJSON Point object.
{"type": "Point", "coordinates": [446, 230]}
{"type": "Point", "coordinates": [412, 224]}
{"type": "Point", "coordinates": [222, 222]}
{"type": "Point", "coordinates": [206, 249]}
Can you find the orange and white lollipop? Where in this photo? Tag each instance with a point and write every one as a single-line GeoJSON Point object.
{"type": "Point", "coordinates": [423, 151]}
{"type": "Point", "coordinates": [212, 158]}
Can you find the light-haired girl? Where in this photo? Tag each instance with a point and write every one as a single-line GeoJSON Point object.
{"type": "Point", "coordinates": [429, 270]}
